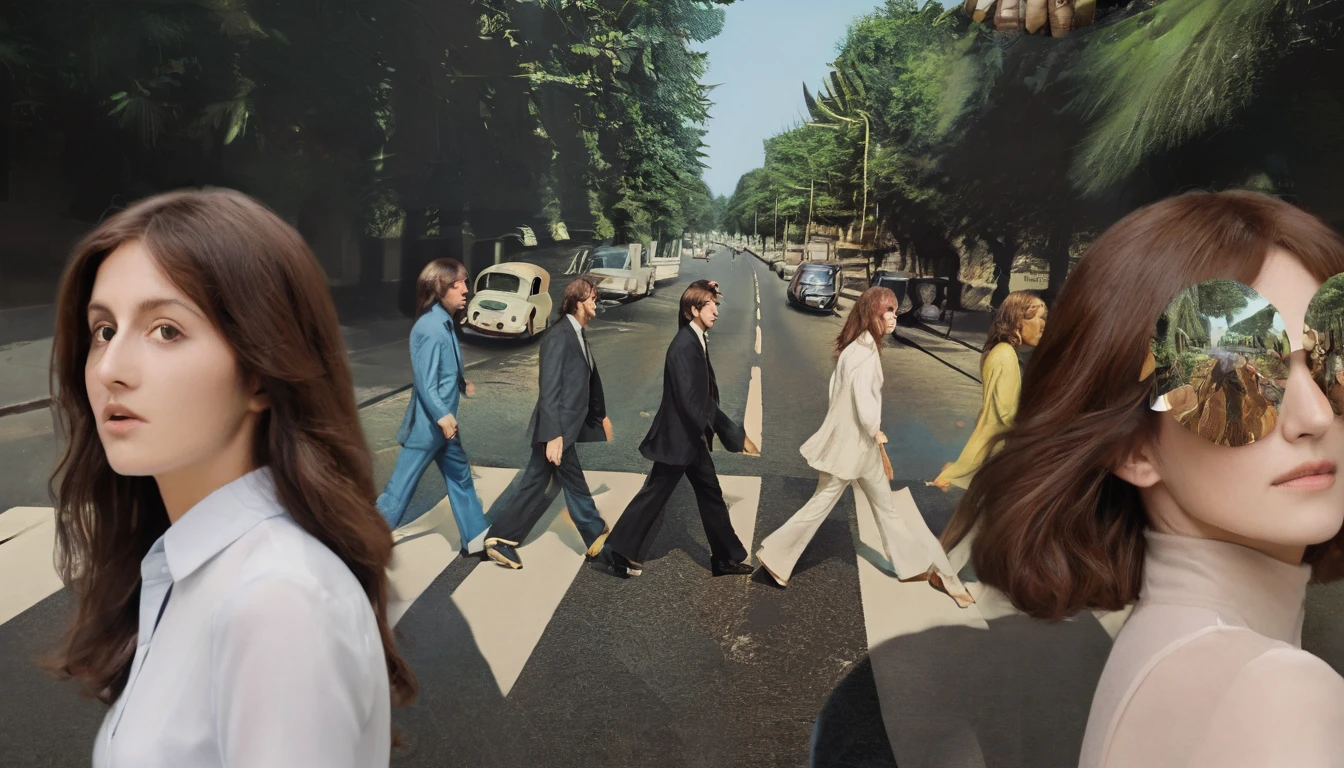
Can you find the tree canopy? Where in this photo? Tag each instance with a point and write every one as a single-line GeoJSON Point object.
{"type": "Point", "coordinates": [396, 115]}
{"type": "Point", "coordinates": [1027, 143]}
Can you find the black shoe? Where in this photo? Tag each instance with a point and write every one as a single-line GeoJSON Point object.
{"type": "Point", "coordinates": [620, 564]}
{"type": "Point", "coordinates": [729, 568]}
{"type": "Point", "coordinates": [502, 552]}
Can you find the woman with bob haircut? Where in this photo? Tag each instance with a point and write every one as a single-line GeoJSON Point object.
{"type": "Point", "coordinates": [214, 504]}
{"type": "Point", "coordinates": [1130, 475]}
{"type": "Point", "coordinates": [847, 450]}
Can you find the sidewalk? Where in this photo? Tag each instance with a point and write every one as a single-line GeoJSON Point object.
{"type": "Point", "coordinates": [374, 338]}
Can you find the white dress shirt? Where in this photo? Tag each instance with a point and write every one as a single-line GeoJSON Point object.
{"type": "Point", "coordinates": [578, 329]}
{"type": "Point", "coordinates": [267, 652]}
{"type": "Point", "coordinates": [700, 334]}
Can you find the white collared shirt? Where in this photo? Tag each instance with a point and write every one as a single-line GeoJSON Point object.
{"type": "Point", "coordinates": [578, 329]}
{"type": "Point", "coordinates": [267, 653]}
{"type": "Point", "coordinates": [700, 334]}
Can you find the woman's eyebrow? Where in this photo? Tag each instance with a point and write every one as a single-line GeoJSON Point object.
{"type": "Point", "coordinates": [148, 305]}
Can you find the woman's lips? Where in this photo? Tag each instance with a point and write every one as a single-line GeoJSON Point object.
{"type": "Point", "coordinates": [1312, 476]}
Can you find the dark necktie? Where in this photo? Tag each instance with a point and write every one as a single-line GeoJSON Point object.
{"type": "Point", "coordinates": [587, 351]}
{"type": "Point", "coordinates": [461, 374]}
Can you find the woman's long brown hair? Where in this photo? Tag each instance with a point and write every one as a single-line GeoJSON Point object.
{"type": "Point", "coordinates": [1060, 532]}
{"type": "Point", "coordinates": [866, 317]}
{"type": "Point", "coordinates": [261, 286]}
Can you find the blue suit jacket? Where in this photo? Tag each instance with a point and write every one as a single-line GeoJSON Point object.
{"type": "Point", "coordinates": [436, 362]}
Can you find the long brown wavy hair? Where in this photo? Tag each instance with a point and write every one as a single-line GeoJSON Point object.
{"type": "Point", "coordinates": [1060, 532]}
{"type": "Point", "coordinates": [1006, 325]}
{"type": "Point", "coordinates": [866, 317]}
{"type": "Point", "coordinates": [263, 289]}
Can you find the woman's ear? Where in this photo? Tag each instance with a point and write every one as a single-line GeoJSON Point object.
{"type": "Point", "coordinates": [1138, 468]}
{"type": "Point", "coordinates": [261, 399]}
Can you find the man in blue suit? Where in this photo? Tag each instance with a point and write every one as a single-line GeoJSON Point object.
{"type": "Point", "coordinates": [429, 428]}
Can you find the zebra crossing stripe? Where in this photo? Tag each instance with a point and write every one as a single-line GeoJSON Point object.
{"type": "Point", "coordinates": [508, 610]}
{"type": "Point", "coordinates": [425, 546]}
{"type": "Point", "coordinates": [27, 564]}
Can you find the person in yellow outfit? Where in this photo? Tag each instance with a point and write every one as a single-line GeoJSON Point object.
{"type": "Point", "coordinates": [1018, 323]}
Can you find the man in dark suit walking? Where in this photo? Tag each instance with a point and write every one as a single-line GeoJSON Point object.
{"type": "Point", "coordinates": [570, 409]}
{"type": "Point", "coordinates": [679, 443]}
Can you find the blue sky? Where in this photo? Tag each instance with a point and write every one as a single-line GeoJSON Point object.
{"type": "Point", "coordinates": [767, 49]}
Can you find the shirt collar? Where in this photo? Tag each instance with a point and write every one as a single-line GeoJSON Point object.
{"type": "Point", "coordinates": [699, 332]}
{"type": "Point", "coordinates": [578, 327]}
{"type": "Point", "coordinates": [1238, 582]}
{"type": "Point", "coordinates": [220, 519]}
{"type": "Point", "coordinates": [441, 313]}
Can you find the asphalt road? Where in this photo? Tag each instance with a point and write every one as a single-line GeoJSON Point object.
{"type": "Point", "coordinates": [674, 668]}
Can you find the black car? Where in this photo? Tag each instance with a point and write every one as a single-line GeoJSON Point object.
{"type": "Point", "coordinates": [815, 286]}
{"type": "Point", "coordinates": [917, 298]}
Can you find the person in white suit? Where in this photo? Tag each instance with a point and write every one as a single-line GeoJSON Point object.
{"type": "Point", "coordinates": [848, 448]}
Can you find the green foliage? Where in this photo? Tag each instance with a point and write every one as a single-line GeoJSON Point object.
{"type": "Point", "coordinates": [1258, 324]}
{"type": "Point", "coordinates": [1163, 77]}
{"type": "Point", "coordinates": [586, 111]}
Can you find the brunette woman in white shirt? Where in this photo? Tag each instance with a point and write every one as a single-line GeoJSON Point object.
{"type": "Point", "coordinates": [847, 450]}
{"type": "Point", "coordinates": [214, 505]}
{"type": "Point", "coordinates": [1198, 482]}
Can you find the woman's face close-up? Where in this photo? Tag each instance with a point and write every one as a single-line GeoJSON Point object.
{"type": "Point", "coordinates": [1279, 493]}
{"type": "Point", "coordinates": [163, 385]}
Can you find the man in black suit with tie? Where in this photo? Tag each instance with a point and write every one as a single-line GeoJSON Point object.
{"type": "Point", "coordinates": [570, 409]}
{"type": "Point", "coordinates": [679, 443]}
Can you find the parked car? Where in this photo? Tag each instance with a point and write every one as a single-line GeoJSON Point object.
{"type": "Point", "coordinates": [816, 286]}
{"type": "Point", "coordinates": [511, 300]}
{"type": "Point", "coordinates": [618, 272]}
{"type": "Point", "coordinates": [918, 298]}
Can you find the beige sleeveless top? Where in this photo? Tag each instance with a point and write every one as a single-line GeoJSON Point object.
{"type": "Point", "coordinates": [1209, 668]}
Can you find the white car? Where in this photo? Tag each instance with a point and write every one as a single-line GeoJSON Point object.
{"type": "Point", "coordinates": [617, 272]}
{"type": "Point", "coordinates": [511, 299]}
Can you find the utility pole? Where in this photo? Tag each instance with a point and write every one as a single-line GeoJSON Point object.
{"type": "Point", "coordinates": [863, 212]}
{"type": "Point", "coordinates": [807, 235]}
{"type": "Point", "coordinates": [777, 217]}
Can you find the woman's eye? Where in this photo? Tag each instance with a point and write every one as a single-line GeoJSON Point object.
{"type": "Point", "coordinates": [167, 332]}
{"type": "Point", "coordinates": [103, 333]}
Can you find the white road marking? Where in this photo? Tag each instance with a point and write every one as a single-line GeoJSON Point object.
{"type": "Point", "coordinates": [27, 559]}
{"type": "Point", "coordinates": [508, 610]}
{"type": "Point", "coordinates": [743, 497]}
{"type": "Point", "coordinates": [752, 421]}
{"type": "Point", "coordinates": [758, 339]}
{"type": "Point", "coordinates": [19, 519]}
{"type": "Point", "coordinates": [758, 314]}
{"type": "Point", "coordinates": [426, 545]}
{"type": "Point", "coordinates": [893, 609]}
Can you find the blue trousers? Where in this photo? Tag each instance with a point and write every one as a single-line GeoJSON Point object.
{"type": "Point", "coordinates": [452, 461]}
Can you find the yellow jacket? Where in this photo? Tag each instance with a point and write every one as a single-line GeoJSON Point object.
{"type": "Point", "coordinates": [1003, 385]}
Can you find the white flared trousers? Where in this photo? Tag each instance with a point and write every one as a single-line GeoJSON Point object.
{"type": "Point", "coordinates": [780, 550]}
